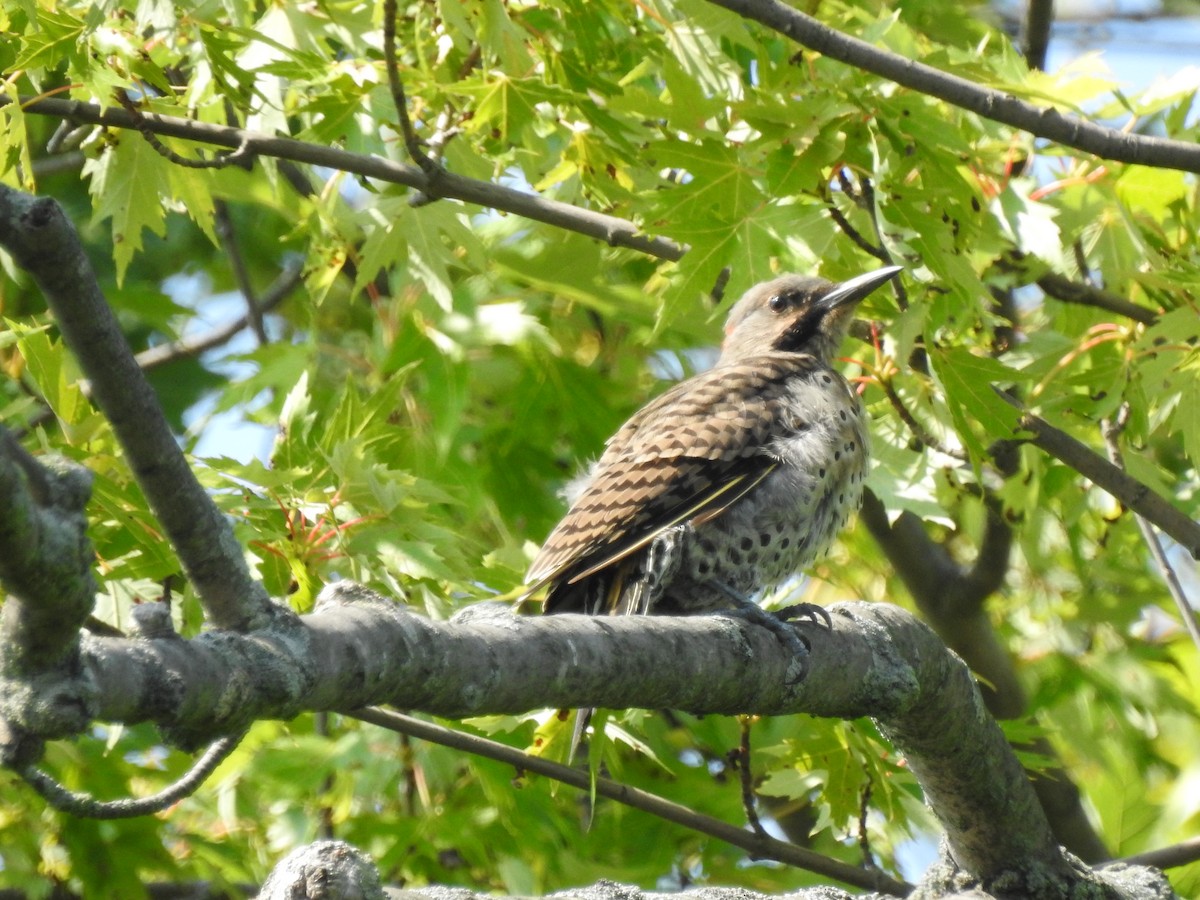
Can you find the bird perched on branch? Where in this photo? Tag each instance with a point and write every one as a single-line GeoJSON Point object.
{"type": "Point", "coordinates": [731, 481]}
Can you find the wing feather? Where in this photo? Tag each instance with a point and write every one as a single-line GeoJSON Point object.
{"type": "Point", "coordinates": [686, 456]}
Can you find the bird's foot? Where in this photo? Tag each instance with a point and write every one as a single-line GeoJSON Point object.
{"type": "Point", "coordinates": [814, 612]}
{"type": "Point", "coordinates": [795, 642]}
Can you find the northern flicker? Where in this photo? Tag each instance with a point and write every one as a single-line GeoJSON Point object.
{"type": "Point", "coordinates": [730, 482]}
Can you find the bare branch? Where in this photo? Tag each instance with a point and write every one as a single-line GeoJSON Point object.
{"type": "Point", "coordinates": [1067, 291]}
{"type": "Point", "coordinates": [276, 293]}
{"type": "Point", "coordinates": [1044, 122]}
{"type": "Point", "coordinates": [239, 156]}
{"type": "Point", "coordinates": [49, 166]}
{"type": "Point", "coordinates": [1137, 496]}
{"type": "Point", "coordinates": [864, 197]}
{"type": "Point", "coordinates": [358, 649]}
{"type": "Point", "coordinates": [919, 431]}
{"type": "Point", "coordinates": [952, 598]}
{"type": "Point", "coordinates": [758, 844]}
{"type": "Point", "coordinates": [42, 240]}
{"type": "Point", "coordinates": [855, 235]}
{"type": "Point", "coordinates": [412, 143]}
{"type": "Point", "coordinates": [88, 807]}
{"type": "Point", "coordinates": [324, 869]}
{"type": "Point", "coordinates": [223, 225]}
{"type": "Point", "coordinates": [741, 760]}
{"type": "Point", "coordinates": [45, 566]}
{"type": "Point", "coordinates": [610, 229]}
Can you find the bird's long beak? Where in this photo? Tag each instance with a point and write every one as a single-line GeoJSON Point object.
{"type": "Point", "coordinates": [858, 287]}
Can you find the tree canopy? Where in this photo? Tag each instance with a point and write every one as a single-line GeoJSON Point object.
{"type": "Point", "coordinates": [435, 255]}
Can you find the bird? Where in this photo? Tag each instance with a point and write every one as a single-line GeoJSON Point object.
{"type": "Point", "coordinates": [730, 482]}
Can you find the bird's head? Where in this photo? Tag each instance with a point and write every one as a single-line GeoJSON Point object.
{"type": "Point", "coordinates": [797, 313]}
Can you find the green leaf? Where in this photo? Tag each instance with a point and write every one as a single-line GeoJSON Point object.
{"type": "Point", "coordinates": [972, 383]}
{"type": "Point", "coordinates": [56, 37]}
{"type": "Point", "coordinates": [715, 183]}
{"type": "Point", "coordinates": [128, 183]}
{"type": "Point", "coordinates": [1187, 415]}
{"type": "Point", "coordinates": [14, 141]}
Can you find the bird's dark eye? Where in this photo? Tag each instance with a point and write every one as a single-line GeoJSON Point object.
{"type": "Point", "coordinates": [778, 303]}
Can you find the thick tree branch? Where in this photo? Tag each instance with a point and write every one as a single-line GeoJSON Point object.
{"type": "Point", "coordinates": [876, 659]}
{"type": "Point", "coordinates": [43, 534]}
{"type": "Point", "coordinates": [358, 649]}
{"type": "Point", "coordinates": [1035, 32]}
{"type": "Point", "coordinates": [325, 869]}
{"type": "Point", "coordinates": [1044, 122]}
{"type": "Point", "coordinates": [952, 598]}
{"type": "Point", "coordinates": [44, 242]}
{"type": "Point", "coordinates": [610, 229]}
{"type": "Point", "coordinates": [45, 566]}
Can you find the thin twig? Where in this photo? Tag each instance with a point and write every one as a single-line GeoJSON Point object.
{"type": "Point", "coordinates": [185, 348]}
{"type": "Point", "coordinates": [741, 758]}
{"type": "Point", "coordinates": [85, 806]}
{"type": "Point", "coordinates": [717, 292]}
{"type": "Point", "coordinates": [67, 137]}
{"type": "Point", "coordinates": [919, 431]}
{"type": "Point", "coordinates": [1139, 497]}
{"type": "Point", "coordinates": [325, 821]}
{"type": "Point", "coordinates": [1067, 291]}
{"type": "Point", "coordinates": [1111, 430]}
{"type": "Point", "coordinates": [855, 235]}
{"type": "Point", "coordinates": [1081, 262]}
{"type": "Point", "coordinates": [443, 133]}
{"type": "Point", "coordinates": [241, 153]}
{"type": "Point", "coordinates": [412, 142]}
{"type": "Point", "coordinates": [864, 835]}
{"type": "Point", "coordinates": [223, 225]}
{"type": "Point", "coordinates": [612, 230]}
{"type": "Point", "coordinates": [848, 187]}
{"type": "Point", "coordinates": [760, 847]}
{"type": "Point", "coordinates": [863, 196]}
{"type": "Point", "coordinates": [867, 190]}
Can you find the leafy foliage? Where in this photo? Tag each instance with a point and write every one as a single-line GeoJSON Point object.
{"type": "Point", "coordinates": [446, 369]}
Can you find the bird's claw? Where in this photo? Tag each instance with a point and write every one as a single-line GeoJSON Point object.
{"type": "Point", "coordinates": [815, 613]}
{"type": "Point", "coordinates": [795, 642]}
